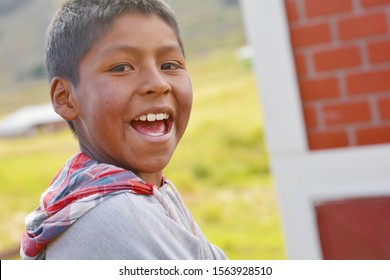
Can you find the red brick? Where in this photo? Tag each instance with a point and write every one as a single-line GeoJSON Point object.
{"type": "Point", "coordinates": [368, 82]}
{"type": "Point", "coordinates": [326, 7]}
{"type": "Point", "coordinates": [300, 63]}
{"type": "Point", "coordinates": [319, 89]}
{"type": "Point", "coordinates": [337, 58]}
{"type": "Point", "coordinates": [379, 52]}
{"type": "Point", "coordinates": [373, 135]}
{"type": "Point", "coordinates": [327, 140]}
{"type": "Point", "coordinates": [370, 3]}
{"type": "Point", "coordinates": [291, 10]}
{"type": "Point", "coordinates": [347, 113]}
{"type": "Point", "coordinates": [310, 115]}
{"type": "Point", "coordinates": [384, 108]}
{"type": "Point", "coordinates": [304, 36]}
{"type": "Point", "coordinates": [362, 26]}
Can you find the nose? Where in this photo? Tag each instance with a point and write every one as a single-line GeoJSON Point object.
{"type": "Point", "coordinates": [153, 81]}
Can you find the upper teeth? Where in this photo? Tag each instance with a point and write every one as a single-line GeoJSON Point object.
{"type": "Point", "coordinates": [153, 117]}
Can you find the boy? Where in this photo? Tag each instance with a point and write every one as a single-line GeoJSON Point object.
{"type": "Point", "coordinates": [118, 76]}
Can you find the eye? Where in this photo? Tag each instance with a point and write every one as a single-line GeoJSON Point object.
{"type": "Point", "coordinates": [121, 68]}
{"type": "Point", "coordinates": [170, 66]}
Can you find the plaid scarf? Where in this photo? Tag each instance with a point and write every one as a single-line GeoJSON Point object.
{"type": "Point", "coordinates": [79, 186]}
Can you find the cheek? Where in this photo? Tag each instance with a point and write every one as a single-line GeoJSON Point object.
{"type": "Point", "coordinates": [185, 104]}
{"type": "Point", "coordinates": [105, 96]}
{"type": "Point", "coordinates": [186, 96]}
{"type": "Point", "coordinates": [102, 106]}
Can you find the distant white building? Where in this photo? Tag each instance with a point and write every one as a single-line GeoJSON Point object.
{"type": "Point", "coordinates": [246, 52]}
{"type": "Point", "coordinates": [30, 119]}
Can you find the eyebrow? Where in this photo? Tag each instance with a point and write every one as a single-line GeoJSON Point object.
{"type": "Point", "coordinates": [133, 49]}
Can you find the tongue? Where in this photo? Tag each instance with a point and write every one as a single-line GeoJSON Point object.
{"type": "Point", "coordinates": [156, 128]}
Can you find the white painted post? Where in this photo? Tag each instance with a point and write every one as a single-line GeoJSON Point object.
{"type": "Point", "coordinates": [302, 177]}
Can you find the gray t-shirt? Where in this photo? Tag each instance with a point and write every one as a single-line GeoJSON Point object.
{"type": "Point", "coordinates": [129, 226]}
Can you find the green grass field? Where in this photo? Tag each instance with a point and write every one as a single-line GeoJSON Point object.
{"type": "Point", "coordinates": [221, 166]}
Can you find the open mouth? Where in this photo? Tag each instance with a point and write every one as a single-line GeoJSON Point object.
{"type": "Point", "coordinates": [153, 125]}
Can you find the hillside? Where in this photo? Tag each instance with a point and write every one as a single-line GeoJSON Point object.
{"type": "Point", "coordinates": [221, 165]}
{"type": "Point", "coordinates": [209, 25]}
{"type": "Point", "coordinates": [22, 28]}
{"type": "Point", "coordinates": [206, 25]}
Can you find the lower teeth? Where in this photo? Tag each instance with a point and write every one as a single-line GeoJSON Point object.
{"type": "Point", "coordinates": [155, 134]}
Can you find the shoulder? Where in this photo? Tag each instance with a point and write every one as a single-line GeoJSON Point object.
{"type": "Point", "coordinates": [125, 226]}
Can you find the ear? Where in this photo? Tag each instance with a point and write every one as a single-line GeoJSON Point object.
{"type": "Point", "coordinates": [62, 98]}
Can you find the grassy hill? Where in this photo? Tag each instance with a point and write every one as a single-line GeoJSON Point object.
{"type": "Point", "coordinates": [221, 165]}
{"type": "Point", "coordinates": [207, 26]}
{"type": "Point", "coordinates": [22, 28]}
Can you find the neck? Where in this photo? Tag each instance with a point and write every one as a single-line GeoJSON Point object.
{"type": "Point", "coordinates": [154, 178]}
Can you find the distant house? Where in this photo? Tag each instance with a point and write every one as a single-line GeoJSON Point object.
{"type": "Point", "coordinates": [29, 120]}
{"type": "Point", "coordinates": [245, 53]}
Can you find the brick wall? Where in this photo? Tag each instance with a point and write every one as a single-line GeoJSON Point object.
{"type": "Point", "coordinates": [342, 57]}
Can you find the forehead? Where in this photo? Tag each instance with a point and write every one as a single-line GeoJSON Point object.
{"type": "Point", "coordinates": [136, 30]}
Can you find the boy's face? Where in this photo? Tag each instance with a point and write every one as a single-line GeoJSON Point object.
{"type": "Point", "coordinates": [134, 96]}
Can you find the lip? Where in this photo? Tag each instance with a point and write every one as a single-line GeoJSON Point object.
{"type": "Point", "coordinates": [156, 110]}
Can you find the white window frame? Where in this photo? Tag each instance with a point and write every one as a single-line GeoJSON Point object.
{"type": "Point", "coordinates": [302, 177]}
